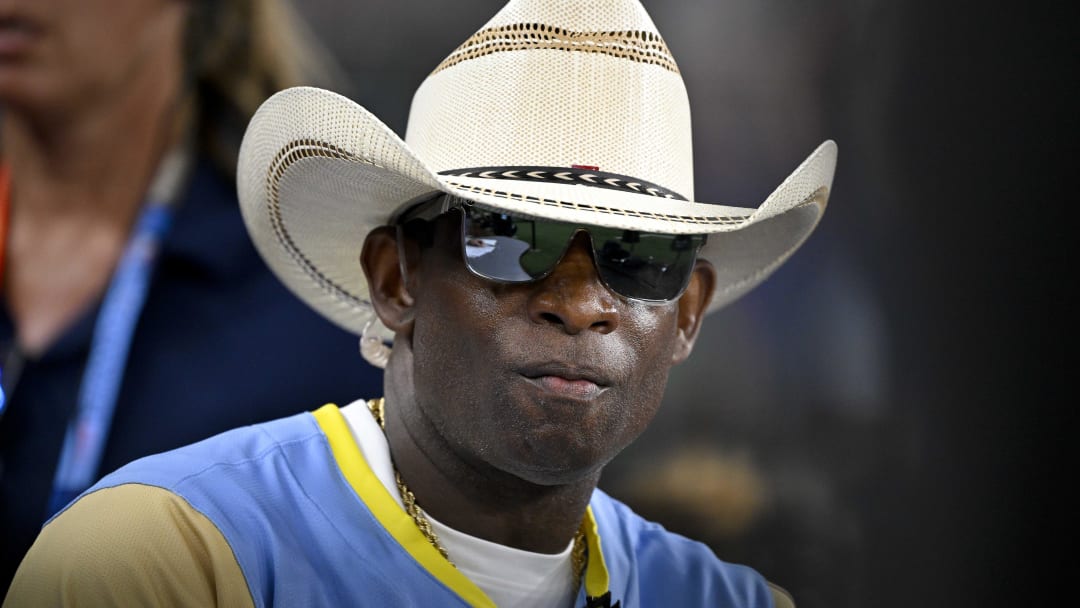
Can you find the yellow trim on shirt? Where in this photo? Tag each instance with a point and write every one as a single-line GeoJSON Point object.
{"type": "Point", "coordinates": [402, 527]}
{"type": "Point", "coordinates": [396, 521]}
{"type": "Point", "coordinates": [596, 573]}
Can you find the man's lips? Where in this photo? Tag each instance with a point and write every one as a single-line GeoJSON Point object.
{"type": "Point", "coordinates": [566, 380]}
{"type": "Point", "coordinates": [17, 34]}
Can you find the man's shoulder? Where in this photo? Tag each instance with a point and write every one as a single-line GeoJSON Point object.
{"type": "Point", "coordinates": [269, 502]}
{"type": "Point", "coordinates": [130, 545]}
{"type": "Point", "coordinates": [167, 529]}
{"type": "Point", "coordinates": [238, 451]}
{"type": "Point", "coordinates": [648, 539]}
{"type": "Point", "coordinates": [666, 566]}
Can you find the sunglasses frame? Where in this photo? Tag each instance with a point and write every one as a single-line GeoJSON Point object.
{"type": "Point", "coordinates": [427, 211]}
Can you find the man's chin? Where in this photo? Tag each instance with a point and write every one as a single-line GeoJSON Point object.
{"type": "Point", "coordinates": [557, 470]}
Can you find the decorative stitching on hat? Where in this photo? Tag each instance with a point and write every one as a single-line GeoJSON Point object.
{"type": "Point", "coordinates": [640, 46]}
{"type": "Point", "coordinates": [286, 157]}
{"type": "Point", "coordinates": [562, 175]}
{"type": "Point", "coordinates": [311, 148]}
{"type": "Point", "coordinates": [713, 220]}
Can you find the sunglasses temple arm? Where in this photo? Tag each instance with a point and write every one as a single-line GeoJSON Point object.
{"type": "Point", "coordinates": [402, 265]}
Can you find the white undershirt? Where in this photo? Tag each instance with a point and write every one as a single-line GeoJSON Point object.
{"type": "Point", "coordinates": [509, 576]}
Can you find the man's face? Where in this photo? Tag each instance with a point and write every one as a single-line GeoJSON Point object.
{"type": "Point", "coordinates": [548, 380]}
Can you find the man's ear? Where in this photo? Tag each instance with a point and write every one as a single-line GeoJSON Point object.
{"type": "Point", "coordinates": [692, 306]}
{"type": "Point", "coordinates": [387, 275]}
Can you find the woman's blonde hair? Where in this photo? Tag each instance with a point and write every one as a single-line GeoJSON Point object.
{"type": "Point", "coordinates": [239, 52]}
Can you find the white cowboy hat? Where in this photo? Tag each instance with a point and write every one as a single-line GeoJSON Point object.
{"type": "Point", "coordinates": [568, 110]}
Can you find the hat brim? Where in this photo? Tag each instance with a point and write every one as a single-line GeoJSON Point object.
{"type": "Point", "coordinates": [317, 172]}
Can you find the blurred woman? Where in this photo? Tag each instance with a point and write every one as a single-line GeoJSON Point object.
{"type": "Point", "coordinates": [136, 316]}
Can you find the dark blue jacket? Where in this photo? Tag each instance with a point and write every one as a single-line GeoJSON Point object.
{"type": "Point", "coordinates": [220, 344]}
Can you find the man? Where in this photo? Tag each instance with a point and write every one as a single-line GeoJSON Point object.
{"type": "Point", "coordinates": [533, 250]}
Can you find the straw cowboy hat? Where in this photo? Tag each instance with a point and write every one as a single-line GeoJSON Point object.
{"type": "Point", "coordinates": [566, 110]}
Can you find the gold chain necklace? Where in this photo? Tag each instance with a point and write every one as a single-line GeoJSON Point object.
{"type": "Point", "coordinates": [577, 554]}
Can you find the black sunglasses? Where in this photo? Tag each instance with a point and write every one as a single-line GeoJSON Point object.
{"type": "Point", "coordinates": [511, 248]}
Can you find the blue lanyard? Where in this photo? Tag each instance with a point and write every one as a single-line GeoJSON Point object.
{"type": "Point", "coordinates": [88, 430]}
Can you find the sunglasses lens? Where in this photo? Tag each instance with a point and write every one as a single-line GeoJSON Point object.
{"type": "Point", "coordinates": [637, 265]}
{"type": "Point", "coordinates": [508, 248]}
{"type": "Point", "coordinates": [645, 266]}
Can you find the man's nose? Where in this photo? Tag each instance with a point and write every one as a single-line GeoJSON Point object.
{"type": "Point", "coordinates": [572, 296]}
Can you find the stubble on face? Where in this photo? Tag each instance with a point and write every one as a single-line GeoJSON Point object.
{"type": "Point", "coordinates": [516, 394]}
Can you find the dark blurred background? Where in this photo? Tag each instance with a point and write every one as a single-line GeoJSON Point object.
{"type": "Point", "coordinates": [878, 424]}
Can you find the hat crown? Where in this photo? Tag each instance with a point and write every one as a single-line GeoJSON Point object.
{"type": "Point", "coordinates": [556, 84]}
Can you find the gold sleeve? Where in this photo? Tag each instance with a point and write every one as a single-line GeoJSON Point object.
{"type": "Point", "coordinates": [130, 545]}
{"type": "Point", "coordinates": [781, 598]}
